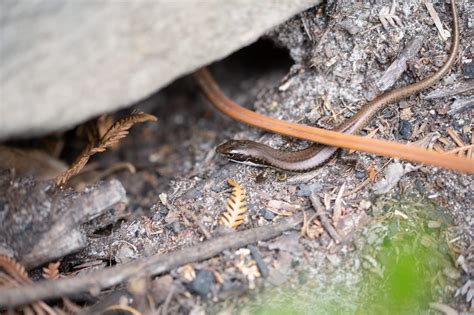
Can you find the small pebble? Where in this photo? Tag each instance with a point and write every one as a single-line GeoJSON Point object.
{"type": "Point", "coordinates": [360, 171]}
{"type": "Point", "coordinates": [468, 70]}
{"type": "Point", "coordinates": [160, 212]}
{"type": "Point", "coordinates": [302, 277]}
{"type": "Point", "coordinates": [175, 226]}
{"type": "Point", "coordinates": [434, 224]}
{"type": "Point", "coordinates": [405, 129]}
{"type": "Point", "coordinates": [193, 194]}
{"type": "Point", "coordinates": [305, 190]}
{"type": "Point", "coordinates": [420, 186]}
{"type": "Point", "coordinates": [388, 113]}
{"type": "Point", "coordinates": [266, 214]}
{"type": "Point", "coordinates": [349, 26]}
{"type": "Point", "coordinates": [202, 283]}
{"type": "Point", "coordinates": [403, 104]}
{"type": "Point", "coordinates": [458, 123]}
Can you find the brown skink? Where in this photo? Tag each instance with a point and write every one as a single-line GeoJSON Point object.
{"type": "Point", "coordinates": [250, 152]}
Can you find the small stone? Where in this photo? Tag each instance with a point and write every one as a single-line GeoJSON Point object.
{"type": "Point", "coordinates": [302, 277]}
{"type": "Point", "coordinates": [451, 273]}
{"type": "Point", "coordinates": [227, 286]}
{"type": "Point", "coordinates": [360, 171]}
{"type": "Point", "coordinates": [202, 284]}
{"type": "Point", "coordinates": [175, 226]}
{"type": "Point", "coordinates": [192, 194]}
{"type": "Point", "coordinates": [365, 204]}
{"type": "Point", "coordinates": [305, 190]}
{"type": "Point", "coordinates": [403, 104]}
{"type": "Point", "coordinates": [388, 113]}
{"type": "Point", "coordinates": [124, 254]}
{"type": "Point", "coordinates": [405, 129]}
{"type": "Point", "coordinates": [420, 186]}
{"type": "Point", "coordinates": [458, 123]}
{"type": "Point", "coordinates": [266, 214]}
{"type": "Point", "coordinates": [349, 26]}
{"type": "Point", "coordinates": [468, 70]}
{"type": "Point", "coordinates": [160, 212]}
{"type": "Point", "coordinates": [434, 224]}
{"type": "Point", "coordinates": [334, 259]}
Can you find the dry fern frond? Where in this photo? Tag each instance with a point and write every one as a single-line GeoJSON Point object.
{"type": "Point", "coordinates": [103, 124]}
{"type": "Point", "coordinates": [388, 16]}
{"type": "Point", "coordinates": [235, 208]}
{"type": "Point", "coordinates": [120, 128]}
{"type": "Point", "coordinates": [14, 269]}
{"type": "Point", "coordinates": [52, 271]}
{"type": "Point", "coordinates": [7, 281]}
{"type": "Point", "coordinates": [14, 274]}
{"type": "Point", "coordinates": [116, 132]}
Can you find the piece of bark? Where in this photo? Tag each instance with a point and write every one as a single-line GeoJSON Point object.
{"type": "Point", "coordinates": [40, 222]}
{"type": "Point", "coordinates": [461, 105]}
{"type": "Point", "coordinates": [455, 89]}
{"type": "Point", "coordinates": [393, 73]}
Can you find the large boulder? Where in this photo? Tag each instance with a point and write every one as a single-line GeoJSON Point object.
{"type": "Point", "coordinates": [63, 62]}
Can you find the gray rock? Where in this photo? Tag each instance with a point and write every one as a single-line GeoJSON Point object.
{"type": "Point", "coordinates": [266, 214]}
{"type": "Point", "coordinates": [63, 62]}
{"type": "Point", "coordinates": [305, 190]}
{"type": "Point", "coordinates": [202, 284]}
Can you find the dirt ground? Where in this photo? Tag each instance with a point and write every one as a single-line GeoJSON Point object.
{"type": "Point", "coordinates": [316, 70]}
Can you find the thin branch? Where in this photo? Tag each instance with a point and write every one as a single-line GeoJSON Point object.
{"type": "Point", "coordinates": [318, 207]}
{"type": "Point", "coordinates": [154, 265]}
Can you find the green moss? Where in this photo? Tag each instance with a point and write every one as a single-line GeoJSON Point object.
{"type": "Point", "coordinates": [400, 275]}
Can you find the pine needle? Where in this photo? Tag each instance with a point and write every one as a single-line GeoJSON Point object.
{"type": "Point", "coordinates": [112, 136]}
{"type": "Point", "coordinates": [236, 206]}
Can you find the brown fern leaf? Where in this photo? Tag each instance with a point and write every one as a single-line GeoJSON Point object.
{"type": "Point", "coordinates": [7, 281]}
{"type": "Point", "coordinates": [116, 132]}
{"type": "Point", "coordinates": [75, 167]}
{"type": "Point", "coordinates": [14, 269]}
{"type": "Point", "coordinates": [103, 124]}
{"type": "Point", "coordinates": [235, 208]}
{"type": "Point", "coordinates": [52, 271]}
{"type": "Point", "coordinates": [120, 128]}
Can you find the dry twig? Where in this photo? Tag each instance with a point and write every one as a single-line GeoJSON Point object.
{"type": "Point", "coordinates": [318, 207]}
{"type": "Point", "coordinates": [112, 136]}
{"type": "Point", "coordinates": [435, 17]}
{"type": "Point", "coordinates": [337, 213]}
{"type": "Point", "coordinates": [152, 265]}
